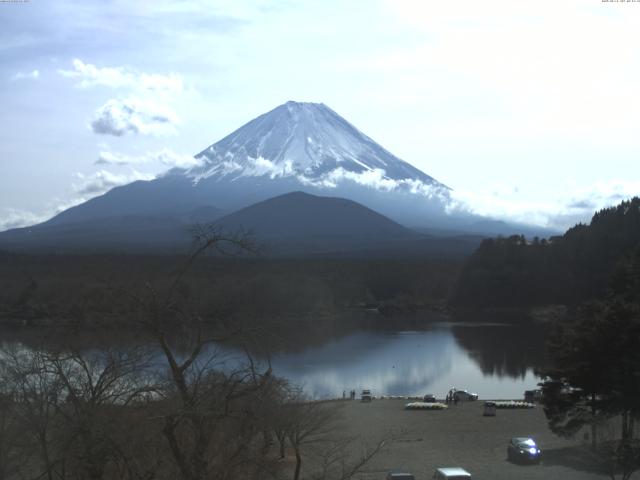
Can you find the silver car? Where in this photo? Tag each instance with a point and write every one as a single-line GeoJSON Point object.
{"type": "Point", "coordinates": [465, 395]}
{"type": "Point", "coordinates": [523, 450]}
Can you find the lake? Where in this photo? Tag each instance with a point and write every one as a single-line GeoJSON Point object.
{"type": "Point", "coordinates": [495, 361]}
{"type": "Point", "coordinates": [492, 360]}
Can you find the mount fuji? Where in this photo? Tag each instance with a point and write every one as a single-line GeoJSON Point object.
{"type": "Point", "coordinates": [312, 143]}
{"type": "Point", "coordinates": [296, 147]}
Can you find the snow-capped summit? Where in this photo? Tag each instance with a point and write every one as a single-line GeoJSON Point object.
{"type": "Point", "coordinates": [312, 143]}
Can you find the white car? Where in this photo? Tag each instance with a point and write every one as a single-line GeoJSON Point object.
{"type": "Point", "coordinates": [451, 473]}
{"type": "Point", "coordinates": [465, 395]}
{"type": "Point", "coordinates": [398, 475]}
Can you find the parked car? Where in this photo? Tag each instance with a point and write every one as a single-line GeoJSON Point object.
{"type": "Point", "coordinates": [532, 396]}
{"type": "Point", "coordinates": [451, 473]}
{"type": "Point", "coordinates": [558, 388]}
{"type": "Point", "coordinates": [429, 398]}
{"type": "Point", "coordinates": [366, 396]}
{"type": "Point", "coordinates": [489, 409]}
{"type": "Point", "coordinates": [523, 450]}
{"type": "Point", "coordinates": [465, 395]}
{"type": "Point", "coordinates": [399, 475]}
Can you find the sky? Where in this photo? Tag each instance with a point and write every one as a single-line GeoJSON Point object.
{"type": "Point", "coordinates": [529, 111]}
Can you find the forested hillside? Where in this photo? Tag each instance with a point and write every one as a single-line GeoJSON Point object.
{"type": "Point", "coordinates": [567, 269]}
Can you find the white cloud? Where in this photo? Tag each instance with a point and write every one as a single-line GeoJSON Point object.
{"type": "Point", "coordinates": [263, 166]}
{"type": "Point", "coordinates": [144, 110]}
{"type": "Point", "coordinates": [165, 156]}
{"type": "Point", "coordinates": [89, 75]}
{"type": "Point", "coordinates": [16, 218]}
{"type": "Point", "coordinates": [552, 72]}
{"type": "Point", "coordinates": [256, 167]}
{"type": "Point", "coordinates": [102, 181]}
{"type": "Point", "coordinates": [32, 75]}
{"type": "Point", "coordinates": [86, 187]}
{"type": "Point", "coordinates": [565, 209]}
{"type": "Point", "coordinates": [376, 178]}
{"type": "Point", "coordinates": [134, 115]}
{"type": "Point", "coordinates": [107, 157]}
{"type": "Point", "coordinates": [178, 160]}
{"type": "Point", "coordinates": [371, 178]}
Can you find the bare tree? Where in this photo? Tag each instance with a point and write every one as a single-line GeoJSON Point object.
{"type": "Point", "coordinates": [310, 423]}
{"type": "Point", "coordinates": [343, 458]}
{"type": "Point", "coordinates": [68, 407]}
{"type": "Point", "coordinates": [10, 454]}
{"type": "Point", "coordinates": [35, 396]}
{"type": "Point", "coordinates": [314, 431]}
{"type": "Point", "coordinates": [95, 388]}
{"type": "Point", "coordinates": [211, 415]}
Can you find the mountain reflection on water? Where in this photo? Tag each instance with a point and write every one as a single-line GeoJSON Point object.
{"type": "Point", "coordinates": [503, 350]}
{"type": "Point", "coordinates": [494, 361]}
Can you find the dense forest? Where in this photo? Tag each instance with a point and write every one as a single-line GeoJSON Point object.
{"type": "Point", "coordinates": [288, 298]}
{"type": "Point", "coordinates": [592, 373]}
{"type": "Point", "coordinates": [567, 269]}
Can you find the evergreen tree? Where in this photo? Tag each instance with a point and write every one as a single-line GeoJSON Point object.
{"type": "Point", "coordinates": [568, 269]}
{"type": "Point", "coordinates": [597, 354]}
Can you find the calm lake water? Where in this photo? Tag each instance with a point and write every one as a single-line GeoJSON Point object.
{"type": "Point", "coordinates": [492, 360]}
{"type": "Point", "coordinates": [495, 361]}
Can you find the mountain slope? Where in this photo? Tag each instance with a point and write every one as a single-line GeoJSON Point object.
{"type": "Point", "coordinates": [291, 225]}
{"type": "Point", "coordinates": [300, 215]}
{"type": "Point", "coordinates": [295, 147]}
{"type": "Point", "coordinates": [122, 233]}
{"type": "Point", "coordinates": [300, 224]}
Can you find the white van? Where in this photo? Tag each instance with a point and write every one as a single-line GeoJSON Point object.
{"type": "Point", "coordinates": [451, 473]}
{"type": "Point", "coordinates": [366, 396]}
